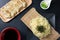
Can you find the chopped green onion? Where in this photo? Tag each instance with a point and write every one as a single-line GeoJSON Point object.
{"type": "Point", "coordinates": [44, 5]}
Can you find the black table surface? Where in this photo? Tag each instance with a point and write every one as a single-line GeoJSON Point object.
{"type": "Point", "coordinates": [26, 34]}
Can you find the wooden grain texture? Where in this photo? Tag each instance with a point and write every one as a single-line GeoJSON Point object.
{"type": "Point", "coordinates": [28, 2]}
{"type": "Point", "coordinates": [33, 14]}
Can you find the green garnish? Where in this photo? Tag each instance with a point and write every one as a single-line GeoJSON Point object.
{"type": "Point", "coordinates": [41, 29]}
{"type": "Point", "coordinates": [44, 5]}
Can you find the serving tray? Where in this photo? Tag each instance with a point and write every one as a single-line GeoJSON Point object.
{"type": "Point", "coordinates": [6, 20]}
{"type": "Point", "coordinates": [33, 14]}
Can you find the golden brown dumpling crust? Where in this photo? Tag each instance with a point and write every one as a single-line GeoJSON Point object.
{"type": "Point", "coordinates": [12, 8]}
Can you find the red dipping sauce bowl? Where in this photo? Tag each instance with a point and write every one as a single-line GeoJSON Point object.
{"type": "Point", "coordinates": [10, 33]}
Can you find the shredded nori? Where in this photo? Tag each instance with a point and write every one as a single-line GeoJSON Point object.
{"type": "Point", "coordinates": [41, 28]}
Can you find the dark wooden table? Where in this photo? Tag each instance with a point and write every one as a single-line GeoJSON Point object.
{"type": "Point", "coordinates": [26, 34]}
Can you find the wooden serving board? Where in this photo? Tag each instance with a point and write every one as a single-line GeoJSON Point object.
{"type": "Point", "coordinates": [29, 2]}
{"type": "Point", "coordinates": [32, 14]}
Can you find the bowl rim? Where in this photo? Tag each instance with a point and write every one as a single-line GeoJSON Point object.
{"type": "Point", "coordinates": [10, 28]}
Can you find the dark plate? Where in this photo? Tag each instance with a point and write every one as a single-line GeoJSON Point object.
{"type": "Point", "coordinates": [26, 34]}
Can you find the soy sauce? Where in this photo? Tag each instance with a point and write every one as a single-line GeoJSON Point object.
{"type": "Point", "coordinates": [10, 35]}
